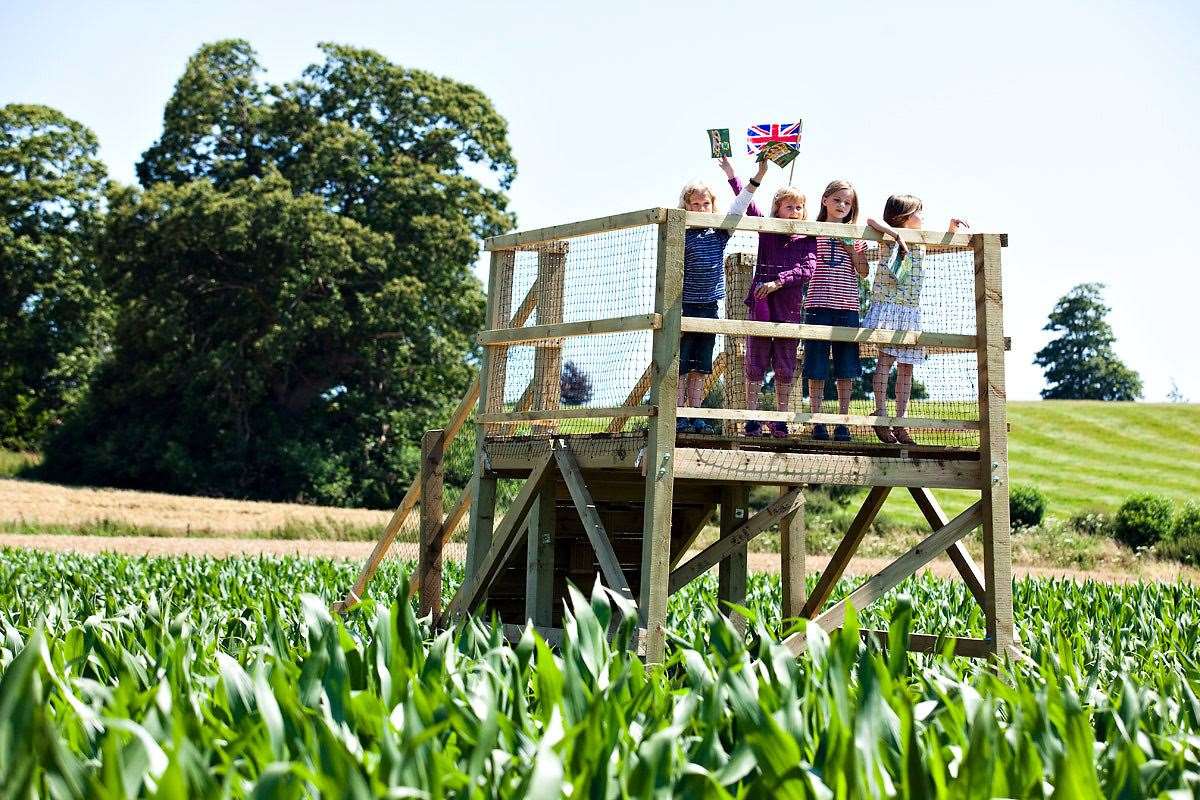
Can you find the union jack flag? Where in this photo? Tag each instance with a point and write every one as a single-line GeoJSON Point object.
{"type": "Point", "coordinates": [759, 135]}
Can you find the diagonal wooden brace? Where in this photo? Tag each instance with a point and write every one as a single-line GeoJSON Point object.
{"type": "Point", "coordinates": [568, 466]}
{"type": "Point", "coordinates": [891, 575]}
{"type": "Point", "coordinates": [503, 538]}
{"type": "Point", "coordinates": [959, 556]}
{"type": "Point", "coordinates": [706, 558]}
{"type": "Point", "coordinates": [845, 551]}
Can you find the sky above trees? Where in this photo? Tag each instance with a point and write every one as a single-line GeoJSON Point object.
{"type": "Point", "coordinates": [1065, 124]}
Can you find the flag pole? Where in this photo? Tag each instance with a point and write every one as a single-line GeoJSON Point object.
{"type": "Point", "coordinates": [791, 171]}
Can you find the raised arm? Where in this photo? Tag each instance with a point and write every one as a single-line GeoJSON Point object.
{"type": "Point", "coordinates": [956, 223]}
{"type": "Point", "coordinates": [744, 202]}
{"type": "Point", "coordinates": [887, 230]}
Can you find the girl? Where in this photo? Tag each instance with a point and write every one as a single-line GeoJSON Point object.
{"type": "Point", "coordinates": [785, 264]}
{"type": "Point", "coordinates": [833, 300]}
{"type": "Point", "coordinates": [896, 305]}
{"type": "Point", "coordinates": [703, 287]}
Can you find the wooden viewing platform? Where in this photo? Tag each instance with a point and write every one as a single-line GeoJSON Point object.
{"type": "Point", "coordinates": [627, 502]}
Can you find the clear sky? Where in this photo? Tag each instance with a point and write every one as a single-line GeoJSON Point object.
{"type": "Point", "coordinates": [1072, 126]}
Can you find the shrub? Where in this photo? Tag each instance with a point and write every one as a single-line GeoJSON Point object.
{"type": "Point", "coordinates": [1185, 549]}
{"type": "Point", "coordinates": [1026, 506]}
{"type": "Point", "coordinates": [575, 384]}
{"type": "Point", "coordinates": [1187, 522]}
{"type": "Point", "coordinates": [1143, 520]}
{"type": "Point", "coordinates": [1091, 522]}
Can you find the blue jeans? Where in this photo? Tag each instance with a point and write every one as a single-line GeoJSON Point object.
{"type": "Point", "coordinates": [819, 363]}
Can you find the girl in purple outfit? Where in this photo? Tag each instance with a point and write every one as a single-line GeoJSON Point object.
{"type": "Point", "coordinates": [785, 264]}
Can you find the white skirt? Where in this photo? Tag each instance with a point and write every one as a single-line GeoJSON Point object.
{"type": "Point", "coordinates": [893, 316]}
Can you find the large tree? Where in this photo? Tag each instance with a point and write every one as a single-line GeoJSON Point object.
{"type": "Point", "coordinates": [55, 317]}
{"type": "Point", "coordinates": [1080, 363]}
{"type": "Point", "coordinates": [295, 295]}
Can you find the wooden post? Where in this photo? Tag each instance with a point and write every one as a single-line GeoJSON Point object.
{"type": "Point", "coordinates": [739, 267]}
{"type": "Point", "coordinates": [731, 571]}
{"type": "Point", "coordinates": [547, 358]}
{"type": "Point", "coordinates": [539, 556]}
{"type": "Point", "coordinates": [493, 368]}
{"type": "Point", "coordinates": [792, 550]}
{"type": "Point", "coordinates": [993, 442]}
{"type": "Point", "coordinates": [659, 455]}
{"type": "Point", "coordinates": [429, 559]}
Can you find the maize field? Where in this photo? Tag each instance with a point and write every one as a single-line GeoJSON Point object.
{"type": "Point", "coordinates": [195, 678]}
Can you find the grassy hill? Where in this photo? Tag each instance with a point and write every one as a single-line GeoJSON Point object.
{"type": "Point", "coordinates": [1088, 455]}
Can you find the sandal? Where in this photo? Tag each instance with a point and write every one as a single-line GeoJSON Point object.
{"type": "Point", "coordinates": [885, 434]}
{"type": "Point", "coordinates": [902, 436]}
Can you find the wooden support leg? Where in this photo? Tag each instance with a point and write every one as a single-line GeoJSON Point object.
{"type": "Point", "coordinates": [660, 441]}
{"type": "Point", "coordinates": [891, 575]}
{"type": "Point", "coordinates": [731, 573]}
{"type": "Point", "coordinates": [959, 556]}
{"type": "Point", "coordinates": [993, 442]}
{"type": "Point", "coordinates": [845, 550]}
{"type": "Point", "coordinates": [539, 560]}
{"type": "Point", "coordinates": [429, 562]}
{"type": "Point", "coordinates": [506, 535]}
{"type": "Point", "coordinates": [792, 547]}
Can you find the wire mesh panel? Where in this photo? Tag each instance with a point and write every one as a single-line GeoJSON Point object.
{"type": "Point", "coordinates": [554, 382]}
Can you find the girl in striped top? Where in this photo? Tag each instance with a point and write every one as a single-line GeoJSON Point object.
{"type": "Point", "coordinates": [833, 299]}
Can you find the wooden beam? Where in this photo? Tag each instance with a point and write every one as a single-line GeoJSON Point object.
{"type": "Point", "coordinates": [930, 643]}
{"type": "Point", "coordinates": [615, 222]}
{"type": "Point", "coordinates": [515, 459]}
{"type": "Point", "coordinates": [577, 412]}
{"type": "Point", "coordinates": [429, 556]}
{"type": "Point", "coordinates": [945, 342]}
{"type": "Point", "coordinates": [845, 550]}
{"type": "Point", "coordinates": [547, 357]}
{"type": "Point", "coordinates": [592, 526]}
{"type": "Point", "coordinates": [407, 504]}
{"type": "Point", "coordinates": [993, 443]}
{"type": "Point", "coordinates": [505, 535]}
{"type": "Point", "coordinates": [792, 546]}
{"type": "Point", "coordinates": [932, 511]}
{"type": "Point", "coordinates": [539, 555]}
{"type": "Point", "coordinates": [696, 219]}
{"type": "Point", "coordinates": [802, 418]}
{"type": "Point", "coordinates": [659, 456]}
{"type": "Point", "coordinates": [732, 569]}
{"type": "Point", "coordinates": [736, 537]}
{"type": "Point", "coordinates": [493, 373]}
{"type": "Point", "coordinates": [891, 575]}
{"type": "Point", "coordinates": [506, 337]}
{"type": "Point", "coordinates": [791, 469]}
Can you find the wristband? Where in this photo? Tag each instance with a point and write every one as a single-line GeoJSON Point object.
{"type": "Point", "coordinates": [755, 183]}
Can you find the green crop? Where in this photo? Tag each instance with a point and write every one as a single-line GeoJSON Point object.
{"type": "Point", "coordinates": [124, 677]}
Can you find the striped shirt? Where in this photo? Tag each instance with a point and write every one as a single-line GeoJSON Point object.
{"type": "Point", "coordinates": [834, 283]}
{"type": "Point", "coordinates": [703, 264]}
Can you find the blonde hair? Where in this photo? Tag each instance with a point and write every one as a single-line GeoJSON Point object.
{"type": "Point", "coordinates": [786, 193]}
{"type": "Point", "coordinates": [900, 207]}
{"type": "Point", "coordinates": [837, 186]}
{"type": "Point", "coordinates": [697, 188]}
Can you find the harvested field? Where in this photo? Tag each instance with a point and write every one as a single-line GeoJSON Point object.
{"type": "Point", "coordinates": [51, 504]}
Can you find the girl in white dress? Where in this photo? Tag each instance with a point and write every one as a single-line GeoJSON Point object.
{"type": "Point", "coordinates": [896, 305]}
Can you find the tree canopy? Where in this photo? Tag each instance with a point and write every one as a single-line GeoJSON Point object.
{"type": "Point", "coordinates": [1080, 363]}
{"type": "Point", "coordinates": [294, 288]}
{"type": "Point", "coordinates": [53, 304]}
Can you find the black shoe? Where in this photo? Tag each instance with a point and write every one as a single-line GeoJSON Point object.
{"type": "Point", "coordinates": [841, 433]}
{"type": "Point", "coordinates": [820, 433]}
{"type": "Point", "coordinates": [754, 428]}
